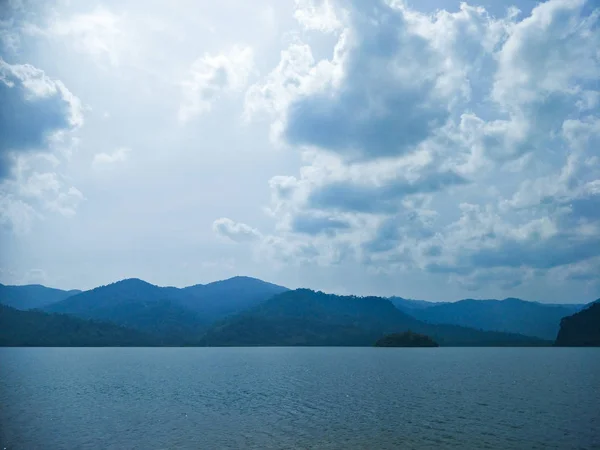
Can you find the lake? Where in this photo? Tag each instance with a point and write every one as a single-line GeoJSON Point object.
{"type": "Point", "coordinates": [326, 398]}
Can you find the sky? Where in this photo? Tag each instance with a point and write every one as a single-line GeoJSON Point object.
{"type": "Point", "coordinates": [435, 150]}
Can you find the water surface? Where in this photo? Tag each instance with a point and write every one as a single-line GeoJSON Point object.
{"type": "Point", "coordinates": [326, 398]}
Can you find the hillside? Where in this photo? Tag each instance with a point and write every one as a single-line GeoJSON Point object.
{"type": "Point", "coordinates": [408, 305]}
{"type": "Point", "coordinates": [32, 296]}
{"type": "Point", "coordinates": [510, 315]}
{"type": "Point", "coordinates": [581, 329]}
{"type": "Point", "coordinates": [219, 299]}
{"type": "Point", "coordinates": [305, 317]}
{"type": "Point", "coordinates": [38, 329]}
{"type": "Point", "coordinates": [178, 315]}
{"type": "Point", "coordinates": [138, 305]}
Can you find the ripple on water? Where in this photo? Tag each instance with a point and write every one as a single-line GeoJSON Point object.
{"type": "Point", "coordinates": [327, 398]}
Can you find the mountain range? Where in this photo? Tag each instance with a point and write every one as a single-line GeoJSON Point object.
{"type": "Point", "coordinates": [248, 311]}
{"type": "Point", "coordinates": [305, 317]}
{"type": "Point", "coordinates": [32, 296]}
{"type": "Point", "coordinates": [511, 315]}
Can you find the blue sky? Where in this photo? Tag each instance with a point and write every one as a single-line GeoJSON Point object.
{"type": "Point", "coordinates": [434, 150]}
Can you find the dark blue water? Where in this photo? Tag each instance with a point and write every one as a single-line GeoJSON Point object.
{"type": "Point", "coordinates": [326, 398]}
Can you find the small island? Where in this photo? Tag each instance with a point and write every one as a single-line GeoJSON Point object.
{"type": "Point", "coordinates": [406, 339]}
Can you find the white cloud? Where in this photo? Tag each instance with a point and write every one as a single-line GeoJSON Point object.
{"type": "Point", "coordinates": [429, 152]}
{"type": "Point", "coordinates": [39, 184]}
{"type": "Point", "coordinates": [212, 75]}
{"type": "Point", "coordinates": [31, 194]}
{"type": "Point", "coordinates": [235, 231]}
{"type": "Point", "coordinates": [273, 94]}
{"type": "Point", "coordinates": [317, 15]}
{"type": "Point", "coordinates": [103, 159]}
{"type": "Point", "coordinates": [66, 203]}
{"type": "Point", "coordinates": [454, 143]}
{"type": "Point", "coordinates": [100, 34]}
{"type": "Point", "coordinates": [16, 215]}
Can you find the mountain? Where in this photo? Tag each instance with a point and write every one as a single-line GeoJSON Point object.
{"type": "Point", "coordinates": [39, 329]}
{"type": "Point", "coordinates": [408, 305]}
{"type": "Point", "coordinates": [219, 299]}
{"type": "Point", "coordinates": [139, 305]}
{"type": "Point", "coordinates": [581, 329]}
{"type": "Point", "coordinates": [178, 315]}
{"type": "Point", "coordinates": [510, 315]}
{"type": "Point", "coordinates": [305, 317]}
{"type": "Point", "coordinates": [32, 296]}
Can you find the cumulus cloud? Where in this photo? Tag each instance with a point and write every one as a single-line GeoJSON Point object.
{"type": "Point", "coordinates": [212, 75]}
{"type": "Point", "coordinates": [272, 95]}
{"type": "Point", "coordinates": [383, 198]}
{"type": "Point", "coordinates": [39, 184]}
{"type": "Point", "coordinates": [315, 224]}
{"type": "Point", "coordinates": [317, 15]}
{"type": "Point", "coordinates": [32, 108]}
{"type": "Point", "coordinates": [33, 194]}
{"type": "Point", "coordinates": [455, 143]}
{"type": "Point", "coordinates": [103, 159]}
{"type": "Point", "coordinates": [235, 231]}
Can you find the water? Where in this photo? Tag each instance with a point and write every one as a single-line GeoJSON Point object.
{"type": "Point", "coordinates": [327, 398]}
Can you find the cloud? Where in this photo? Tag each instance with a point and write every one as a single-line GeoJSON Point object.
{"type": "Point", "coordinates": [32, 194]}
{"type": "Point", "coordinates": [235, 231]}
{"type": "Point", "coordinates": [457, 143]}
{"type": "Point", "coordinates": [382, 198]}
{"type": "Point", "coordinates": [119, 155]}
{"type": "Point", "coordinates": [16, 215]}
{"type": "Point", "coordinates": [273, 94]}
{"type": "Point", "coordinates": [212, 75]}
{"type": "Point", "coordinates": [390, 84]}
{"type": "Point", "coordinates": [505, 278]}
{"type": "Point", "coordinates": [66, 203]}
{"type": "Point", "coordinates": [315, 224]}
{"type": "Point", "coordinates": [319, 15]}
{"type": "Point", "coordinates": [32, 108]}
{"type": "Point", "coordinates": [99, 33]}
{"type": "Point", "coordinates": [39, 184]}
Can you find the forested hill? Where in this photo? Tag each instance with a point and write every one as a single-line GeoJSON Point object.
{"type": "Point", "coordinates": [305, 317]}
{"type": "Point", "coordinates": [581, 329]}
{"type": "Point", "coordinates": [39, 329]}
{"type": "Point", "coordinates": [32, 296]}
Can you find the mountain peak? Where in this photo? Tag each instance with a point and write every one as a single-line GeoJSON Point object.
{"type": "Point", "coordinates": [244, 280]}
{"type": "Point", "coordinates": [131, 282]}
{"type": "Point", "coordinates": [515, 300]}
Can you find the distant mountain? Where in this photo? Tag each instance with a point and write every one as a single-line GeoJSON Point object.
{"type": "Point", "coordinates": [219, 299]}
{"type": "Point", "coordinates": [173, 313]}
{"type": "Point", "coordinates": [139, 305]}
{"type": "Point", "coordinates": [581, 329]}
{"type": "Point", "coordinates": [305, 317]}
{"type": "Point", "coordinates": [408, 305]}
{"type": "Point", "coordinates": [38, 329]}
{"type": "Point", "coordinates": [32, 296]}
{"type": "Point", "coordinates": [510, 315]}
